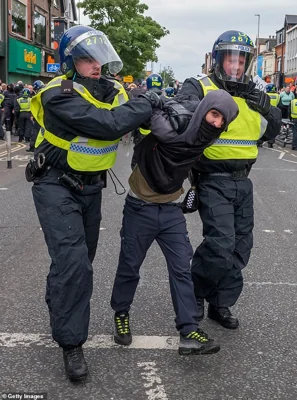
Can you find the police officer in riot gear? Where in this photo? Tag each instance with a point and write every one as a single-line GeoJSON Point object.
{"type": "Point", "coordinates": [274, 100]}
{"type": "Point", "coordinates": [37, 86]}
{"type": "Point", "coordinates": [225, 191]}
{"type": "Point", "coordinates": [23, 110]}
{"type": "Point", "coordinates": [82, 117]}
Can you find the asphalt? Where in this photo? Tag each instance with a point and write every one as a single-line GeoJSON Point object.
{"type": "Point", "coordinates": [256, 362]}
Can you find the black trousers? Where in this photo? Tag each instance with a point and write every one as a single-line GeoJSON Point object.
{"type": "Point", "coordinates": [227, 214]}
{"type": "Point", "coordinates": [294, 129]}
{"type": "Point", "coordinates": [35, 131]}
{"type": "Point", "coordinates": [142, 224]}
{"type": "Point", "coordinates": [1, 122]}
{"type": "Point", "coordinates": [25, 125]}
{"type": "Point", "coordinates": [70, 223]}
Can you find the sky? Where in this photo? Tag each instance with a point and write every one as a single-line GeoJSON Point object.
{"type": "Point", "coordinates": [194, 26]}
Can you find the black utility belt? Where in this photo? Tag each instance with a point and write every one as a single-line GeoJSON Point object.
{"type": "Point", "coordinates": [241, 174]}
{"type": "Point", "coordinates": [83, 179]}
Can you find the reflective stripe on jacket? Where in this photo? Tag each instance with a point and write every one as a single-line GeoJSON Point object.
{"type": "Point", "coordinates": [240, 141]}
{"type": "Point", "coordinates": [83, 154]}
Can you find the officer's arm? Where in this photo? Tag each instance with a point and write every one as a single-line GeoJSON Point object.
{"type": "Point", "coordinates": [191, 90]}
{"type": "Point", "coordinates": [274, 119]}
{"type": "Point", "coordinates": [81, 118]}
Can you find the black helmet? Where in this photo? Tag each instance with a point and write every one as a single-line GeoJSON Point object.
{"type": "Point", "coordinates": [232, 57]}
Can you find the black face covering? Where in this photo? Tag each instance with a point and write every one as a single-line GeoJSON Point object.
{"type": "Point", "coordinates": [101, 89]}
{"type": "Point", "coordinates": [209, 132]}
{"type": "Point", "coordinates": [92, 85]}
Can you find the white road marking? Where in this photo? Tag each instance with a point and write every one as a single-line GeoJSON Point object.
{"type": "Point", "coordinates": [19, 146]}
{"type": "Point", "coordinates": [275, 169]}
{"type": "Point", "coordinates": [152, 381]}
{"type": "Point", "coordinates": [282, 191]}
{"type": "Point", "coordinates": [270, 284]}
{"type": "Point", "coordinates": [294, 155]}
{"type": "Point", "coordinates": [288, 231]}
{"type": "Point", "coordinates": [291, 161]}
{"type": "Point", "coordinates": [94, 342]}
{"type": "Point", "coordinates": [273, 149]}
{"type": "Point", "coordinates": [268, 231]}
{"type": "Point", "coordinates": [3, 188]}
{"type": "Point", "coordinates": [17, 157]}
{"type": "Point", "coordinates": [102, 229]}
{"type": "Point", "coordinates": [23, 165]}
{"type": "Point", "coordinates": [281, 155]}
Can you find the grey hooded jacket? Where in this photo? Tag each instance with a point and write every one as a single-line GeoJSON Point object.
{"type": "Point", "coordinates": [165, 156]}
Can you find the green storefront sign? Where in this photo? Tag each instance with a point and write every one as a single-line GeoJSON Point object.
{"type": "Point", "coordinates": [23, 58]}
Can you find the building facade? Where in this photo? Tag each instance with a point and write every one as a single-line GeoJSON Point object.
{"type": "Point", "coordinates": [30, 37]}
{"type": "Point", "coordinates": [291, 54]}
{"type": "Point", "coordinates": [280, 50]}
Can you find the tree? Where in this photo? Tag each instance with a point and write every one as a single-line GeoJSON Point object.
{"type": "Point", "coordinates": [167, 75]}
{"type": "Point", "coordinates": [134, 36]}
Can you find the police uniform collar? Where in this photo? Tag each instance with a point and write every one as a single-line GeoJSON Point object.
{"type": "Point", "coordinates": [235, 89]}
{"type": "Point", "coordinates": [101, 89]}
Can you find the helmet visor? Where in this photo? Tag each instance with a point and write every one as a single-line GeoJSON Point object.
{"type": "Point", "coordinates": [234, 63]}
{"type": "Point", "coordinates": [94, 46]}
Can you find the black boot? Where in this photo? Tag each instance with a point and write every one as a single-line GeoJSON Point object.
{"type": "Point", "coordinates": [30, 150]}
{"type": "Point", "coordinates": [223, 316]}
{"type": "Point", "coordinates": [200, 305]}
{"type": "Point", "coordinates": [75, 364]}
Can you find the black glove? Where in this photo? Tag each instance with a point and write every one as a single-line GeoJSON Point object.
{"type": "Point", "coordinates": [153, 98]}
{"type": "Point", "coordinates": [179, 116]}
{"type": "Point", "coordinates": [258, 101]}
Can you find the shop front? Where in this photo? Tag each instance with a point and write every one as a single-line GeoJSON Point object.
{"type": "Point", "coordinates": [24, 61]}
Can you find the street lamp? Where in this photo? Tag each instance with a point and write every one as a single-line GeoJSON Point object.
{"type": "Point", "coordinates": [258, 33]}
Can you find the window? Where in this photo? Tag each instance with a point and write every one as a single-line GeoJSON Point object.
{"type": "Point", "coordinates": [39, 28]}
{"type": "Point", "coordinates": [19, 18]}
{"type": "Point", "coordinates": [279, 64]}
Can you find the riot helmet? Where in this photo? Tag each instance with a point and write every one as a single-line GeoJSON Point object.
{"type": "Point", "coordinates": [37, 85]}
{"type": "Point", "coordinates": [85, 44]}
{"type": "Point", "coordinates": [232, 57]}
{"type": "Point", "coordinates": [26, 92]}
{"type": "Point", "coordinates": [154, 81]}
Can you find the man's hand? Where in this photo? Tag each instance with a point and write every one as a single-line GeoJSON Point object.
{"type": "Point", "coordinates": [153, 98]}
{"type": "Point", "coordinates": [259, 101]}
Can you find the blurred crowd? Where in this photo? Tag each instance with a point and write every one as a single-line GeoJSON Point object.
{"type": "Point", "coordinates": [15, 112]}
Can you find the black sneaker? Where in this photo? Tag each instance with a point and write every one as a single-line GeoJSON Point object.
{"type": "Point", "coordinates": [75, 364]}
{"type": "Point", "coordinates": [197, 342]}
{"type": "Point", "coordinates": [122, 329]}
